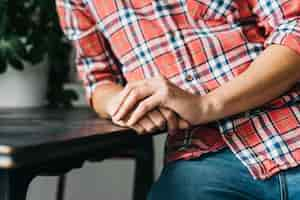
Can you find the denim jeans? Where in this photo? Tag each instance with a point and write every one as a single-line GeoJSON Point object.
{"type": "Point", "coordinates": [221, 176]}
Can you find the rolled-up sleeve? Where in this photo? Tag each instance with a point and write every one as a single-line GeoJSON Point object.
{"type": "Point", "coordinates": [280, 20]}
{"type": "Point", "coordinates": [95, 61]}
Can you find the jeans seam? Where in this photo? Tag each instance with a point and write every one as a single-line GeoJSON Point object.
{"type": "Point", "coordinates": [282, 185]}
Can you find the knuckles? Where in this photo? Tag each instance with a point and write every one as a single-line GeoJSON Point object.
{"type": "Point", "coordinates": [144, 107]}
{"type": "Point", "coordinates": [135, 93]}
{"type": "Point", "coordinates": [169, 115]}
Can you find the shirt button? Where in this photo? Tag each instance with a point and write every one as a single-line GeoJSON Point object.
{"type": "Point", "coordinates": [189, 78]}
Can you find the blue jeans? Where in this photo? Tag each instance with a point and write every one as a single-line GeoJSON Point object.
{"type": "Point", "coordinates": [221, 176]}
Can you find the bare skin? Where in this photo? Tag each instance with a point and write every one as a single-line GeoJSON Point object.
{"type": "Point", "coordinates": [106, 100]}
{"type": "Point", "coordinates": [274, 72]}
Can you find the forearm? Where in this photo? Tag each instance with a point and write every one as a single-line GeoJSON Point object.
{"type": "Point", "coordinates": [274, 72]}
{"type": "Point", "coordinates": [101, 97]}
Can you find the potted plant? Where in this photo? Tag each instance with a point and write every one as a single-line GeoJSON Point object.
{"type": "Point", "coordinates": [33, 49]}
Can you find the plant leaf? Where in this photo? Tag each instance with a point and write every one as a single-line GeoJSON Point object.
{"type": "Point", "coordinates": [3, 64]}
{"type": "Point", "coordinates": [17, 64]}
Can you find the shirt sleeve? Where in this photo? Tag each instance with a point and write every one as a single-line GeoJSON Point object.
{"type": "Point", "coordinates": [280, 20]}
{"type": "Point", "coordinates": [95, 61]}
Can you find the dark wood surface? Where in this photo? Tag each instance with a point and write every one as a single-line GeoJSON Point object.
{"type": "Point", "coordinates": [30, 136]}
{"type": "Point", "coordinates": [35, 142]}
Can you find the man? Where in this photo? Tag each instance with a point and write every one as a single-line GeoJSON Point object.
{"type": "Point", "coordinates": [222, 74]}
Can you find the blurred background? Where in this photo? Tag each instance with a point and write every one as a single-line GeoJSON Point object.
{"type": "Point", "coordinates": [37, 69]}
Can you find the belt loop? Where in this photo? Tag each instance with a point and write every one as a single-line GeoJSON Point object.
{"type": "Point", "coordinates": [283, 187]}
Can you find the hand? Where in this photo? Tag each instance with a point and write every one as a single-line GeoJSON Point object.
{"type": "Point", "coordinates": [141, 97]}
{"type": "Point", "coordinates": [159, 118]}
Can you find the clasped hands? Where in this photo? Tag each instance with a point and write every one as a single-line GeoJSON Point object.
{"type": "Point", "coordinates": [151, 104]}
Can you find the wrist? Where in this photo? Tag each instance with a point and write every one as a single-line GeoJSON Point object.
{"type": "Point", "coordinates": [111, 104]}
{"type": "Point", "coordinates": [104, 97]}
{"type": "Point", "coordinates": [211, 108]}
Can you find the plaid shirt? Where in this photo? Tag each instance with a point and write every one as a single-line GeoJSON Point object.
{"type": "Point", "coordinates": [198, 45]}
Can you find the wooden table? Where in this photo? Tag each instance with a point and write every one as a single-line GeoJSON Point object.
{"type": "Point", "coordinates": [51, 142]}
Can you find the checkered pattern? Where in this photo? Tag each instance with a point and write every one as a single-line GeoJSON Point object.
{"type": "Point", "coordinates": [198, 45]}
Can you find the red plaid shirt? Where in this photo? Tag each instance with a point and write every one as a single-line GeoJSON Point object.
{"type": "Point", "coordinates": [198, 45]}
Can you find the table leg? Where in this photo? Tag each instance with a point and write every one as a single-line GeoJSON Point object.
{"type": "Point", "coordinates": [61, 187]}
{"type": "Point", "coordinates": [144, 171]}
{"type": "Point", "coordinates": [13, 185]}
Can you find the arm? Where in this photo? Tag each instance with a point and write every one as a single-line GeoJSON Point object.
{"type": "Point", "coordinates": [272, 73]}
{"type": "Point", "coordinates": [94, 61]}
{"type": "Point", "coordinates": [103, 95]}
{"type": "Point", "coordinates": [253, 88]}
{"type": "Point", "coordinates": [256, 86]}
{"type": "Point", "coordinates": [97, 68]}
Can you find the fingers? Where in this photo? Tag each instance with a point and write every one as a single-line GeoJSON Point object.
{"type": "Point", "coordinates": [148, 124]}
{"type": "Point", "coordinates": [123, 94]}
{"type": "Point", "coordinates": [132, 97]}
{"type": "Point", "coordinates": [143, 108]}
{"type": "Point", "coordinates": [153, 121]}
{"type": "Point", "coordinates": [158, 119]}
{"type": "Point", "coordinates": [171, 118]}
{"type": "Point", "coordinates": [139, 128]}
{"type": "Point", "coordinates": [120, 123]}
{"type": "Point", "coordinates": [145, 125]}
{"type": "Point", "coordinates": [174, 121]}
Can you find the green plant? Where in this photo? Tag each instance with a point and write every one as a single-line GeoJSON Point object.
{"type": "Point", "coordinates": [29, 31]}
